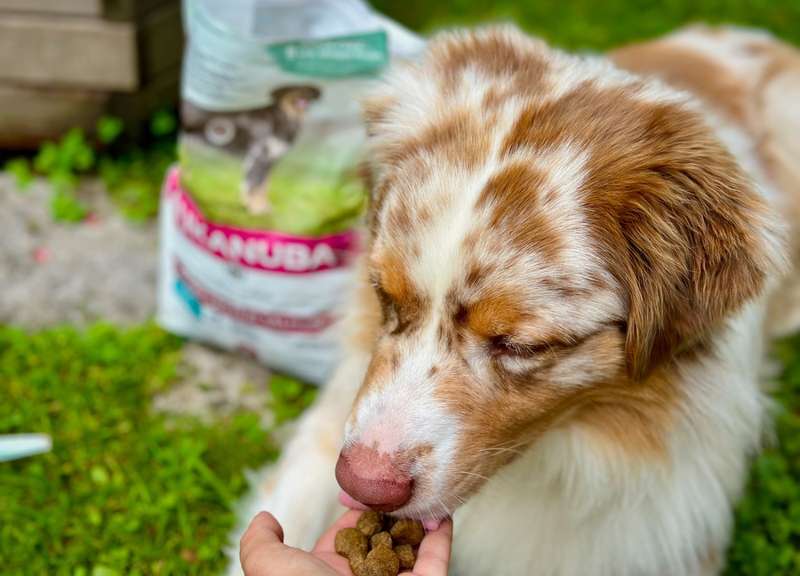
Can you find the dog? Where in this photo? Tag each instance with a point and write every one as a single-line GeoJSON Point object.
{"type": "Point", "coordinates": [558, 331]}
{"type": "Point", "coordinates": [261, 136]}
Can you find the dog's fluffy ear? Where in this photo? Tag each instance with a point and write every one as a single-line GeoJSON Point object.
{"type": "Point", "coordinates": [694, 242]}
{"type": "Point", "coordinates": [378, 160]}
{"type": "Point", "coordinates": [375, 110]}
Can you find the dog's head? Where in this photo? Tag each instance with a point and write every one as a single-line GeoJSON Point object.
{"type": "Point", "coordinates": [548, 236]}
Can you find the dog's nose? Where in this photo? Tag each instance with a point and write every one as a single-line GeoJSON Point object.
{"type": "Point", "coordinates": [376, 480]}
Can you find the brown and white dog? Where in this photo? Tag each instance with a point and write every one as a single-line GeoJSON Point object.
{"type": "Point", "coordinates": [559, 332]}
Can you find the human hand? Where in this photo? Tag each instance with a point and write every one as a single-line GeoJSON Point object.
{"type": "Point", "coordinates": [263, 553]}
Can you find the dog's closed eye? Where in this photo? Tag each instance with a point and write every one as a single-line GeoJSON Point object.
{"type": "Point", "coordinates": [503, 345]}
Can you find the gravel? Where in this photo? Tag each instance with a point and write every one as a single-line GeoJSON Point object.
{"type": "Point", "coordinates": [105, 269]}
{"type": "Point", "coordinates": [56, 273]}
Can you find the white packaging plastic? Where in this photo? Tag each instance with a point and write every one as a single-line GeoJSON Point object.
{"type": "Point", "coordinates": [258, 221]}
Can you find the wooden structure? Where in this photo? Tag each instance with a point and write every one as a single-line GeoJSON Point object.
{"type": "Point", "coordinates": [64, 63]}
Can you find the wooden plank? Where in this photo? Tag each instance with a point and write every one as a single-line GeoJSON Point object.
{"type": "Point", "coordinates": [29, 115]}
{"type": "Point", "coordinates": [79, 52]}
{"type": "Point", "coordinates": [67, 7]}
{"type": "Point", "coordinates": [131, 9]}
{"type": "Point", "coordinates": [110, 9]}
{"type": "Point", "coordinates": [160, 41]}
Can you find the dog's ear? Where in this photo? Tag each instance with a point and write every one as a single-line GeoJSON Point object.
{"type": "Point", "coordinates": [375, 110]}
{"type": "Point", "coordinates": [694, 242]}
{"type": "Point", "coordinates": [378, 160]}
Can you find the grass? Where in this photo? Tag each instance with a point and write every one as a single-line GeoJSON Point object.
{"type": "Point", "coordinates": [132, 174]}
{"type": "Point", "coordinates": [767, 537]}
{"type": "Point", "coordinates": [591, 24]}
{"type": "Point", "coordinates": [125, 490]}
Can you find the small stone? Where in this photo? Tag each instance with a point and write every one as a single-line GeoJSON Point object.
{"type": "Point", "coordinates": [370, 522]}
{"type": "Point", "coordinates": [406, 531]}
{"type": "Point", "coordinates": [41, 255]}
{"type": "Point", "coordinates": [381, 539]}
{"type": "Point", "coordinates": [382, 561]}
{"type": "Point", "coordinates": [405, 553]}
{"type": "Point", "coordinates": [351, 543]}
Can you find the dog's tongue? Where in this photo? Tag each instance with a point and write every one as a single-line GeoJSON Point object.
{"type": "Point", "coordinates": [431, 524]}
{"type": "Point", "coordinates": [349, 502]}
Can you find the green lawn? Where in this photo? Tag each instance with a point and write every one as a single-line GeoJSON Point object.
{"type": "Point", "coordinates": [124, 491]}
{"type": "Point", "coordinates": [127, 491]}
{"type": "Point", "coordinates": [598, 24]}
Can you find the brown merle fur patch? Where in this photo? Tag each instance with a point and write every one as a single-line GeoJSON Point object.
{"type": "Point", "coordinates": [688, 69]}
{"type": "Point", "coordinates": [513, 195]}
{"type": "Point", "coordinates": [494, 54]}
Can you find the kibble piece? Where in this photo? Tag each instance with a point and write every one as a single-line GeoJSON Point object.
{"type": "Point", "coordinates": [381, 539]}
{"type": "Point", "coordinates": [351, 543]}
{"type": "Point", "coordinates": [405, 553]}
{"type": "Point", "coordinates": [407, 531]}
{"type": "Point", "coordinates": [359, 566]}
{"type": "Point", "coordinates": [370, 522]}
{"type": "Point", "coordinates": [382, 561]}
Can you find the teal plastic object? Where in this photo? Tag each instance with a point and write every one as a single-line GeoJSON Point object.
{"type": "Point", "coordinates": [15, 446]}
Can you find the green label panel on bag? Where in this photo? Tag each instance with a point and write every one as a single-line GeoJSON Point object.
{"type": "Point", "coordinates": [333, 57]}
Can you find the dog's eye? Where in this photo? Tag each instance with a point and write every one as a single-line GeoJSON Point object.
{"type": "Point", "coordinates": [505, 346]}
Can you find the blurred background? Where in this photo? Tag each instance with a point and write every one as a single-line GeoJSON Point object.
{"type": "Point", "coordinates": [152, 434]}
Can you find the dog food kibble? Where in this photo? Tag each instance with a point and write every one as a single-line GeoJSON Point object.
{"type": "Point", "coordinates": [359, 566]}
{"type": "Point", "coordinates": [369, 546]}
{"type": "Point", "coordinates": [351, 543]}
{"type": "Point", "coordinates": [405, 553]}
{"type": "Point", "coordinates": [381, 539]}
{"type": "Point", "coordinates": [407, 531]}
{"type": "Point", "coordinates": [370, 522]}
{"type": "Point", "coordinates": [382, 561]}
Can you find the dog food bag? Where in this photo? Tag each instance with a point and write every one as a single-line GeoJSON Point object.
{"type": "Point", "coordinates": [258, 218]}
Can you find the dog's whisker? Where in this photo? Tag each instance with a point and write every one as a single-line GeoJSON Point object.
{"type": "Point", "coordinates": [466, 473]}
{"type": "Point", "coordinates": [500, 450]}
{"type": "Point", "coordinates": [444, 507]}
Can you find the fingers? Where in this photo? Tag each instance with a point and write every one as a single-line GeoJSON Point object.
{"type": "Point", "coordinates": [263, 553]}
{"type": "Point", "coordinates": [264, 529]}
{"type": "Point", "coordinates": [263, 535]}
{"type": "Point", "coordinates": [325, 550]}
{"type": "Point", "coordinates": [433, 557]}
{"type": "Point", "coordinates": [346, 520]}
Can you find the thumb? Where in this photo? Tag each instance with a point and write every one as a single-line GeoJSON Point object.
{"type": "Point", "coordinates": [263, 533]}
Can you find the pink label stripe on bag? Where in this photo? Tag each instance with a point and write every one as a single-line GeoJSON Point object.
{"type": "Point", "coordinates": [265, 250]}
